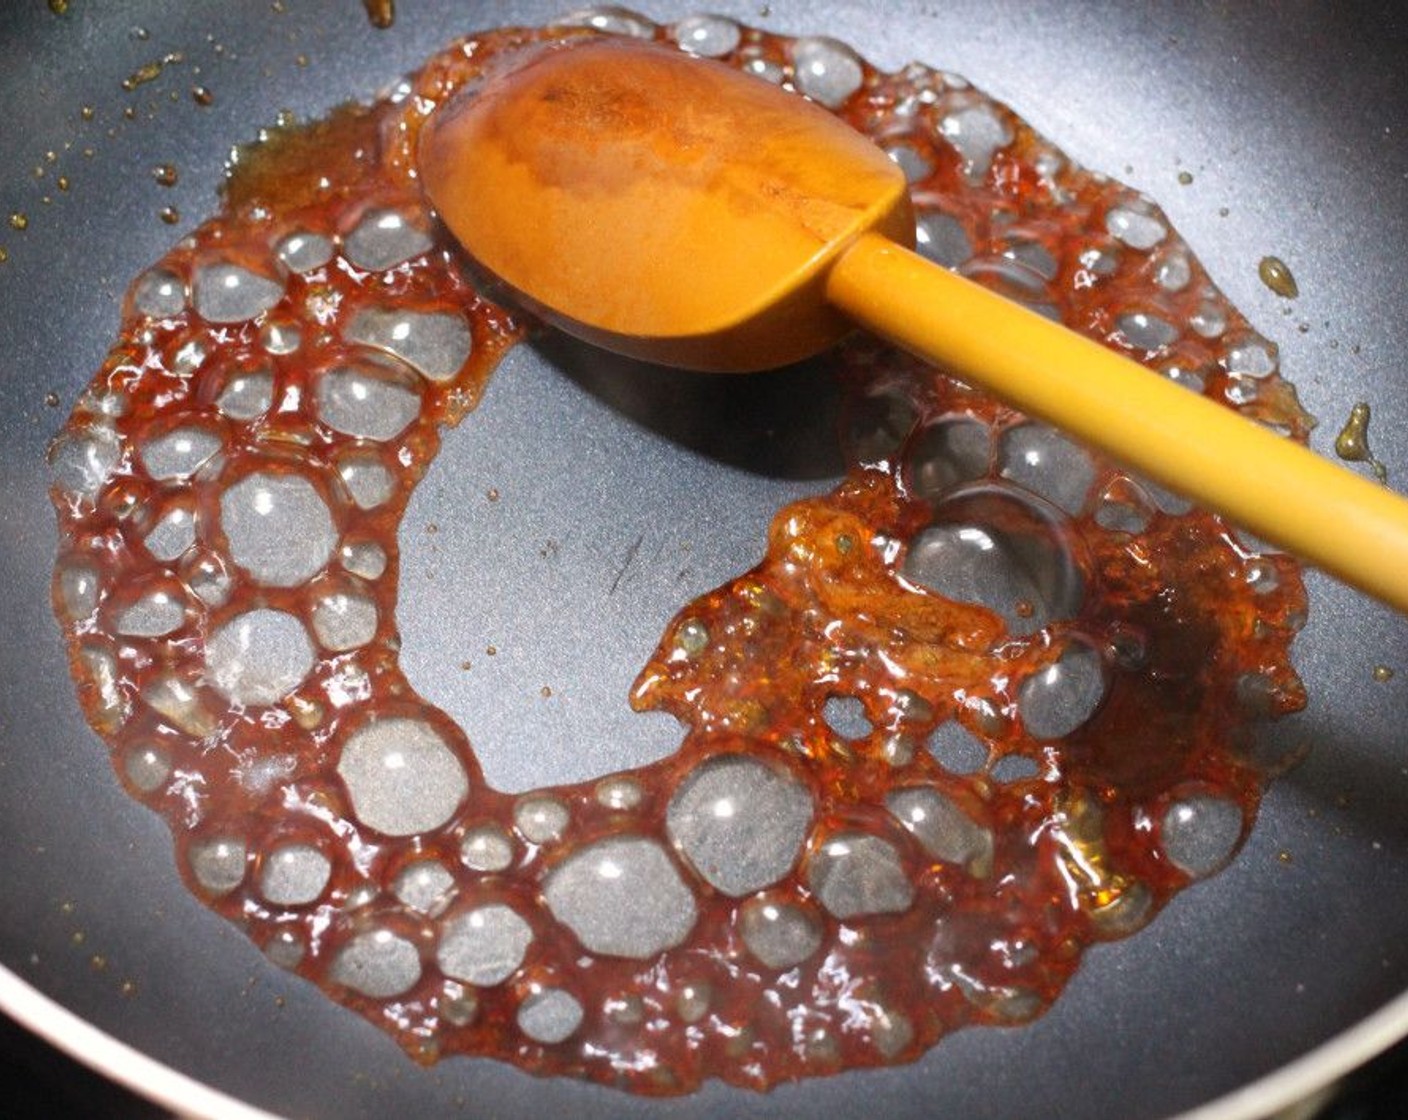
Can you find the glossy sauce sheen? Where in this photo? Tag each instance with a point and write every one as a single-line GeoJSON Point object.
{"type": "Point", "coordinates": [1192, 628]}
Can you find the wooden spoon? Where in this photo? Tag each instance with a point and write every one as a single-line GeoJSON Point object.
{"type": "Point", "coordinates": [676, 210]}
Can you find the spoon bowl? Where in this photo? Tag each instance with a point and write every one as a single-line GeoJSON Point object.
{"type": "Point", "coordinates": [658, 205]}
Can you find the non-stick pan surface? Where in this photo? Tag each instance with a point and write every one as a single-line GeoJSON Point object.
{"type": "Point", "coordinates": [1291, 119]}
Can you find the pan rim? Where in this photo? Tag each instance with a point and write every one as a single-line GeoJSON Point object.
{"type": "Point", "coordinates": [1294, 1083]}
{"type": "Point", "coordinates": [116, 1060]}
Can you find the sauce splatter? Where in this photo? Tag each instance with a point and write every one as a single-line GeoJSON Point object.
{"type": "Point", "coordinates": [981, 706]}
{"type": "Point", "coordinates": [148, 72]}
{"type": "Point", "coordinates": [380, 13]}
{"type": "Point", "coordinates": [1352, 443]}
{"type": "Point", "coordinates": [1276, 275]}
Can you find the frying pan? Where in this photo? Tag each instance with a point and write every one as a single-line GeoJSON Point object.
{"type": "Point", "coordinates": [1290, 119]}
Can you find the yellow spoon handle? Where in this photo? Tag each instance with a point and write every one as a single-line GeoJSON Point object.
{"type": "Point", "coordinates": [1351, 527]}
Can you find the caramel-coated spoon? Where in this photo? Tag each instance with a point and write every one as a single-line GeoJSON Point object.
{"type": "Point", "coordinates": [676, 210]}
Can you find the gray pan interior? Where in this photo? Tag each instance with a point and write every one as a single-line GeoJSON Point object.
{"type": "Point", "coordinates": [1290, 116]}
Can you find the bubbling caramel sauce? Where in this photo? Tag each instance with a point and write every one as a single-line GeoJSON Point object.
{"type": "Point", "coordinates": [818, 879]}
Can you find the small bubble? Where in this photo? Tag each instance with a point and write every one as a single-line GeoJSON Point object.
{"type": "Point", "coordinates": [169, 214]}
{"type": "Point", "coordinates": [1276, 275]}
{"type": "Point", "coordinates": [692, 636]}
{"type": "Point", "coordinates": [19, 220]}
{"type": "Point", "coordinates": [165, 174]}
{"type": "Point", "coordinates": [286, 118]}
